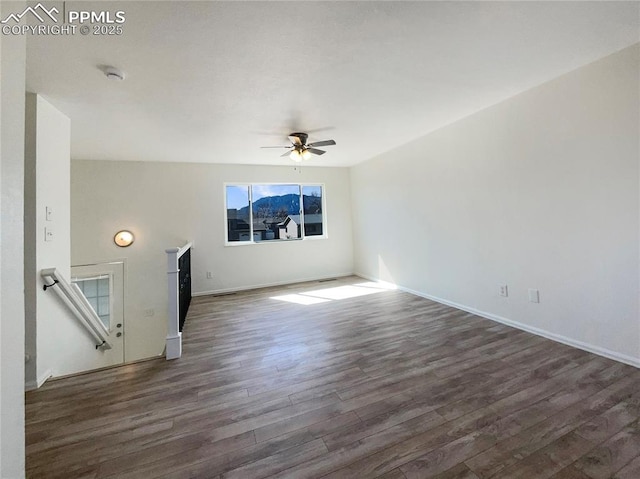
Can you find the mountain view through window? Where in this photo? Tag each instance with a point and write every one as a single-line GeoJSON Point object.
{"type": "Point", "coordinates": [273, 212]}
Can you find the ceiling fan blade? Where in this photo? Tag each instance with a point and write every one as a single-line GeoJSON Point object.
{"type": "Point", "coordinates": [315, 151]}
{"type": "Point", "coordinates": [289, 146]}
{"type": "Point", "coordinates": [286, 154]}
{"type": "Point", "coordinates": [322, 143]}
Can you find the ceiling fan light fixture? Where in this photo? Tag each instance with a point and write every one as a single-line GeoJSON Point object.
{"type": "Point", "coordinates": [299, 150]}
{"type": "Point", "coordinates": [295, 156]}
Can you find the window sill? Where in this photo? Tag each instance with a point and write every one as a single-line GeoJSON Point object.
{"type": "Point", "coordinates": [233, 244]}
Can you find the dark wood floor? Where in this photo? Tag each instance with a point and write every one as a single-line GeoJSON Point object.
{"type": "Point", "coordinates": [383, 385]}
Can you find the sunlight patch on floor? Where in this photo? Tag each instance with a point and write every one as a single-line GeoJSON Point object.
{"type": "Point", "coordinates": [300, 299]}
{"type": "Point", "coordinates": [334, 294]}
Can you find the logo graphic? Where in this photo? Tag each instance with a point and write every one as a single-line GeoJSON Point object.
{"type": "Point", "coordinates": [34, 10]}
{"type": "Point", "coordinates": [83, 22]}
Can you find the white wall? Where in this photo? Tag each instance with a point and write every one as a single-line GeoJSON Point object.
{"type": "Point", "coordinates": [540, 191]}
{"type": "Point", "coordinates": [12, 75]}
{"type": "Point", "coordinates": [56, 341]}
{"type": "Point", "coordinates": [166, 204]}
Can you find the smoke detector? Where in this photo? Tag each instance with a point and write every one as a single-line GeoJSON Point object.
{"type": "Point", "coordinates": [112, 73]}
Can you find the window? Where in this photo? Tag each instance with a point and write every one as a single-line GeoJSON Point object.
{"type": "Point", "coordinates": [97, 290]}
{"type": "Point", "coordinates": [238, 213]}
{"type": "Point", "coordinates": [274, 212]}
{"type": "Point", "coordinates": [312, 210]}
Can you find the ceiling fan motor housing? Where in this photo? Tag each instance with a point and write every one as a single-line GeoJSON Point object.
{"type": "Point", "coordinates": [302, 136]}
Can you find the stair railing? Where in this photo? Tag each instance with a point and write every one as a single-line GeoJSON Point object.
{"type": "Point", "coordinates": [78, 304]}
{"type": "Point", "coordinates": [174, 333]}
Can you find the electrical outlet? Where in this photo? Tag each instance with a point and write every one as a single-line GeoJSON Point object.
{"type": "Point", "coordinates": [502, 290]}
{"type": "Point", "coordinates": [48, 234]}
{"type": "Point", "coordinates": [534, 296]}
{"type": "Point", "coordinates": [209, 275]}
{"type": "Point", "coordinates": [48, 213]}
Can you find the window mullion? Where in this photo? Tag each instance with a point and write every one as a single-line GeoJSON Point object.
{"type": "Point", "coordinates": [250, 213]}
{"type": "Point", "coordinates": [301, 213]}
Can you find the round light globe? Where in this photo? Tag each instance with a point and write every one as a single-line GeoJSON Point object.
{"type": "Point", "coordinates": [124, 238]}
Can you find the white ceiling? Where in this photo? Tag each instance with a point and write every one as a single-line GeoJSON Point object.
{"type": "Point", "coordinates": [213, 81]}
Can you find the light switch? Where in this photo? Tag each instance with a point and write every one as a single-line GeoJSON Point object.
{"type": "Point", "coordinates": [48, 234]}
{"type": "Point", "coordinates": [48, 214]}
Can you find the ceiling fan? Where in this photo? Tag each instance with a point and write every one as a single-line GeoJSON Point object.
{"type": "Point", "coordinates": [300, 150]}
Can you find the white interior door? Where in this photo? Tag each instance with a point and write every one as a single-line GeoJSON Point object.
{"type": "Point", "coordinates": [103, 286]}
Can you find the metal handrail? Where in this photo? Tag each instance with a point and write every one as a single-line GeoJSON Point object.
{"type": "Point", "coordinates": [78, 304]}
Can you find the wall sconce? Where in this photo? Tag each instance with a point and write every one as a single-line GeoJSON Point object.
{"type": "Point", "coordinates": [124, 238]}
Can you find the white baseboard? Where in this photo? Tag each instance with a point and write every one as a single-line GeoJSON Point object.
{"type": "Point", "coordinates": [46, 375]}
{"type": "Point", "coordinates": [623, 358]}
{"type": "Point", "coordinates": [32, 385]}
{"type": "Point", "coordinates": [269, 285]}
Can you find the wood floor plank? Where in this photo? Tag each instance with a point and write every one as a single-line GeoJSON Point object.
{"type": "Point", "coordinates": [459, 471]}
{"type": "Point", "coordinates": [483, 438]}
{"type": "Point", "coordinates": [395, 474]}
{"type": "Point", "coordinates": [278, 462]}
{"type": "Point", "coordinates": [532, 439]}
{"type": "Point", "coordinates": [630, 471]}
{"type": "Point", "coordinates": [386, 385]}
{"type": "Point", "coordinates": [325, 465]}
{"type": "Point", "coordinates": [550, 459]}
{"type": "Point", "coordinates": [190, 465]}
{"type": "Point", "coordinates": [363, 429]}
{"type": "Point", "coordinates": [613, 454]}
{"type": "Point", "coordinates": [195, 447]}
{"type": "Point", "coordinates": [570, 472]}
{"type": "Point", "coordinates": [609, 422]}
{"type": "Point", "coordinates": [448, 433]}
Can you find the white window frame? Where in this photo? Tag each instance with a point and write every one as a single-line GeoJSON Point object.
{"type": "Point", "coordinates": [251, 241]}
{"type": "Point", "coordinates": [105, 275]}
